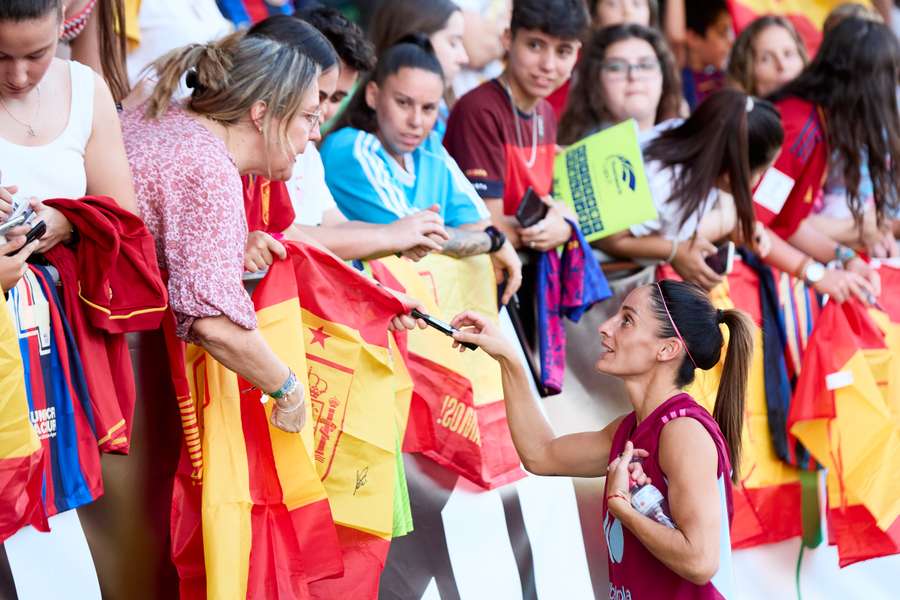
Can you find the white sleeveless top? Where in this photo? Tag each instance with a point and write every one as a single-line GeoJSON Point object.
{"type": "Point", "coordinates": [55, 170]}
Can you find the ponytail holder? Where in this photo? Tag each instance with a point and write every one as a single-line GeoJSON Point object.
{"type": "Point", "coordinates": [720, 315]}
{"type": "Point", "coordinates": [750, 104]}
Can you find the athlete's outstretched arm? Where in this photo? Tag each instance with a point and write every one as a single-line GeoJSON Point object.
{"type": "Point", "coordinates": [541, 451]}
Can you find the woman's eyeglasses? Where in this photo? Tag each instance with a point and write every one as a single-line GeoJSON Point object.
{"type": "Point", "coordinates": [617, 68]}
{"type": "Point", "coordinates": [314, 119]}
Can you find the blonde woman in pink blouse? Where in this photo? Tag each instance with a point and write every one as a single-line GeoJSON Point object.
{"type": "Point", "coordinates": [252, 109]}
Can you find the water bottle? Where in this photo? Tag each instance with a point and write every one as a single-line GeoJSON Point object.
{"type": "Point", "coordinates": [649, 501]}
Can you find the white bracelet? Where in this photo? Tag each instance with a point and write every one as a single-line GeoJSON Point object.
{"type": "Point", "coordinates": [673, 252]}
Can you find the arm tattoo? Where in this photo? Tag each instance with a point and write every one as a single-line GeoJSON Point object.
{"type": "Point", "coordinates": [464, 243]}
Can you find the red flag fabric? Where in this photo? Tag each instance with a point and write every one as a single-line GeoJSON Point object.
{"type": "Point", "coordinates": [845, 411]}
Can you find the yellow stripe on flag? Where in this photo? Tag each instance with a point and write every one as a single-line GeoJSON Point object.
{"type": "Point", "coordinates": [353, 396]}
{"type": "Point", "coordinates": [226, 501]}
{"type": "Point", "coordinates": [16, 433]}
{"type": "Point", "coordinates": [448, 286]}
{"type": "Point", "coordinates": [281, 325]}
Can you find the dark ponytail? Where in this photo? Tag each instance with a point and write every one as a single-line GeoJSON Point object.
{"type": "Point", "coordinates": [698, 323]}
{"type": "Point", "coordinates": [731, 134]}
{"type": "Point", "coordinates": [413, 51]}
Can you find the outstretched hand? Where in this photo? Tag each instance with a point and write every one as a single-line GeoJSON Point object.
{"type": "Point", "coordinates": [477, 329]}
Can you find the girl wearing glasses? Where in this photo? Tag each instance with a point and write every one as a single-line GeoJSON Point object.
{"type": "Point", "coordinates": [626, 72]}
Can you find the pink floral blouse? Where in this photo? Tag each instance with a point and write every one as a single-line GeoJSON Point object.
{"type": "Point", "coordinates": [190, 196]}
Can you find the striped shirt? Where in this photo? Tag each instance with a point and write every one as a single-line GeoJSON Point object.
{"type": "Point", "coordinates": [369, 185]}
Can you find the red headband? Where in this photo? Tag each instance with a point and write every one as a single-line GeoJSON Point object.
{"type": "Point", "coordinates": [674, 326]}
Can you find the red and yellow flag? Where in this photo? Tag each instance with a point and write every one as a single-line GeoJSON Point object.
{"type": "Point", "coordinates": [767, 501]}
{"type": "Point", "coordinates": [21, 453]}
{"type": "Point", "coordinates": [846, 411]}
{"type": "Point", "coordinates": [259, 525]}
{"type": "Point", "coordinates": [457, 417]}
{"type": "Point", "coordinates": [807, 16]}
{"type": "Point", "coordinates": [360, 392]}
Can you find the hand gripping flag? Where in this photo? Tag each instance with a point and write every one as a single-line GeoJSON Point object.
{"type": "Point", "coordinates": [21, 453]}
{"type": "Point", "coordinates": [259, 525]}
{"type": "Point", "coordinates": [845, 411]}
{"type": "Point", "coordinates": [807, 16]}
{"type": "Point", "coordinates": [767, 500]}
{"type": "Point", "coordinates": [457, 417]}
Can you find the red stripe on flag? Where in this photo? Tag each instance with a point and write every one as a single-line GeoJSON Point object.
{"type": "Point", "coordinates": [766, 515]}
{"type": "Point", "coordinates": [364, 558]}
{"type": "Point", "coordinates": [20, 494]}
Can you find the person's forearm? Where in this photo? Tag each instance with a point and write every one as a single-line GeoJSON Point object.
{"type": "Point", "coordinates": [783, 256]}
{"type": "Point", "coordinates": [628, 246]}
{"type": "Point", "coordinates": [669, 546]}
{"type": "Point", "coordinates": [529, 429]}
{"type": "Point", "coordinates": [464, 243]}
{"type": "Point", "coordinates": [351, 240]}
{"type": "Point", "coordinates": [809, 240]}
{"type": "Point", "coordinates": [241, 350]}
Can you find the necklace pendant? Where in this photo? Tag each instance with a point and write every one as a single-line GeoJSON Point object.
{"type": "Point", "coordinates": [31, 132]}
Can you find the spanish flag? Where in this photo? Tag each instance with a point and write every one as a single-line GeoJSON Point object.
{"type": "Point", "coordinates": [457, 417]}
{"type": "Point", "coordinates": [21, 453]}
{"type": "Point", "coordinates": [767, 500]}
{"type": "Point", "coordinates": [250, 516]}
{"type": "Point", "coordinates": [846, 412]}
{"type": "Point", "coordinates": [360, 393]}
{"type": "Point", "coordinates": [807, 16]}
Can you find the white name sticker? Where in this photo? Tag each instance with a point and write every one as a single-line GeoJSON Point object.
{"type": "Point", "coordinates": [773, 190]}
{"type": "Point", "coordinates": [838, 380]}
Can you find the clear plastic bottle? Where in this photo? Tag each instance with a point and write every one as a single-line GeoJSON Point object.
{"type": "Point", "coordinates": [649, 501]}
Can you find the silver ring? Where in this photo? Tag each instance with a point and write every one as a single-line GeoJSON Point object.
{"type": "Point", "coordinates": [531, 244]}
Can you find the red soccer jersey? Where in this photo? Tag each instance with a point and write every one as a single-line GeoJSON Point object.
{"type": "Point", "coordinates": [635, 573]}
{"type": "Point", "coordinates": [787, 191]}
{"type": "Point", "coordinates": [492, 142]}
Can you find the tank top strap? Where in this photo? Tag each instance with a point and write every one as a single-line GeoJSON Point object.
{"type": "Point", "coordinates": [81, 111]}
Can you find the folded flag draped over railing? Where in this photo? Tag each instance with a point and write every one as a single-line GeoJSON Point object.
{"type": "Point", "coordinates": [846, 411]}
{"type": "Point", "coordinates": [567, 286]}
{"type": "Point", "coordinates": [457, 417]}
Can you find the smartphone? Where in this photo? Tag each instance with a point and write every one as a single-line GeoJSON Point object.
{"type": "Point", "coordinates": [444, 328]}
{"type": "Point", "coordinates": [35, 233]}
{"type": "Point", "coordinates": [10, 223]}
{"type": "Point", "coordinates": [723, 260]}
{"type": "Point", "coordinates": [531, 209]}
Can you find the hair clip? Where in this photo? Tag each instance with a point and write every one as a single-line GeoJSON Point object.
{"type": "Point", "coordinates": [750, 104]}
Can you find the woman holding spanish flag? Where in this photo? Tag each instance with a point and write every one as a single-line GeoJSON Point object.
{"type": "Point", "coordinates": [840, 113]}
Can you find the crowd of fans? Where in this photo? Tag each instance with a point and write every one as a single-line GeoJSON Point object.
{"type": "Point", "coordinates": [206, 119]}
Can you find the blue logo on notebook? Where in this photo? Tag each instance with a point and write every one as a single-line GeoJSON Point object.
{"type": "Point", "coordinates": [622, 172]}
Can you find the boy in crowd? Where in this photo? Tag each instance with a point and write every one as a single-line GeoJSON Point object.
{"type": "Point", "coordinates": [503, 133]}
{"type": "Point", "coordinates": [707, 41]}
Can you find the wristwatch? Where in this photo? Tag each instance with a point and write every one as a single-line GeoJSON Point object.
{"type": "Point", "coordinates": [813, 273]}
{"type": "Point", "coordinates": [497, 238]}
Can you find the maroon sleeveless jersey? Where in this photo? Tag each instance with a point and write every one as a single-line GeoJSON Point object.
{"type": "Point", "coordinates": [634, 573]}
